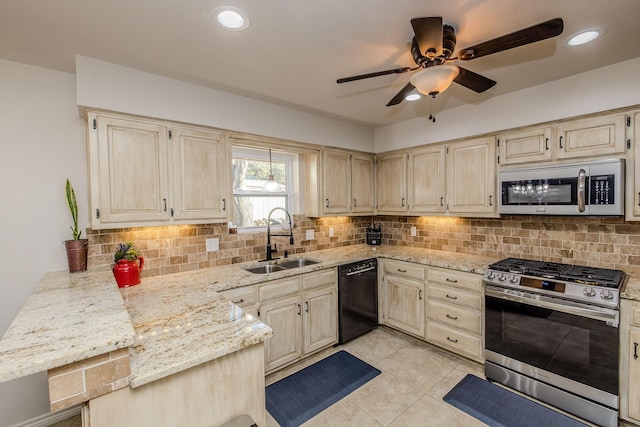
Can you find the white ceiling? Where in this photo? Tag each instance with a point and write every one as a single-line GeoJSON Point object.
{"type": "Point", "coordinates": [294, 50]}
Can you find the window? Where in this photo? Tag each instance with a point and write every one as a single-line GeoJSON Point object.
{"type": "Point", "coordinates": [251, 204]}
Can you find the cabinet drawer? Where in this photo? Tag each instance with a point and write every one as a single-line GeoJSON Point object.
{"type": "Point", "coordinates": [243, 296]}
{"type": "Point", "coordinates": [456, 341]}
{"type": "Point", "coordinates": [316, 280]}
{"type": "Point", "coordinates": [456, 278]}
{"type": "Point", "coordinates": [458, 317]}
{"type": "Point", "coordinates": [279, 289]}
{"type": "Point", "coordinates": [404, 269]}
{"type": "Point", "coordinates": [454, 296]}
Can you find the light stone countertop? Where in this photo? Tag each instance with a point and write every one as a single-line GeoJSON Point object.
{"type": "Point", "coordinates": [173, 322]}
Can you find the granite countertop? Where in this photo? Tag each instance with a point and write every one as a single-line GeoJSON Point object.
{"type": "Point", "coordinates": [172, 322]}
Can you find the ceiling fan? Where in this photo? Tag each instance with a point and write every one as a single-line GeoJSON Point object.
{"type": "Point", "coordinates": [433, 45]}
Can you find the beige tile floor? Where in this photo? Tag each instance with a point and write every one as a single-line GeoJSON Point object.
{"type": "Point", "coordinates": [415, 376]}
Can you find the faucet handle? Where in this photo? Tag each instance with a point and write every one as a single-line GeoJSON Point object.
{"type": "Point", "coordinates": [286, 253]}
{"type": "Point", "coordinates": [275, 247]}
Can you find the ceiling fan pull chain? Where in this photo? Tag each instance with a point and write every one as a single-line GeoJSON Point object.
{"type": "Point", "coordinates": [431, 116]}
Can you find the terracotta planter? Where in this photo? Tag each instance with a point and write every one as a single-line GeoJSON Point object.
{"type": "Point", "coordinates": [77, 254]}
{"type": "Point", "coordinates": [127, 273]}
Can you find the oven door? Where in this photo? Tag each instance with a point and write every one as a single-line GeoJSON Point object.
{"type": "Point", "coordinates": [559, 190]}
{"type": "Point", "coordinates": [570, 345]}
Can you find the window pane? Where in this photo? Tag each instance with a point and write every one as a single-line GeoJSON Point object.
{"type": "Point", "coordinates": [252, 211]}
{"type": "Point", "coordinates": [250, 175]}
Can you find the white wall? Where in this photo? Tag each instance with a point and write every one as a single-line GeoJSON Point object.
{"type": "Point", "coordinates": [606, 88]}
{"type": "Point", "coordinates": [113, 87]}
{"type": "Point", "coordinates": [42, 144]}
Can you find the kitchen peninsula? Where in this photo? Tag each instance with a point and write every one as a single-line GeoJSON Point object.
{"type": "Point", "coordinates": [173, 341]}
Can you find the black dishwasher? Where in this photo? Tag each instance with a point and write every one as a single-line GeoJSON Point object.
{"type": "Point", "coordinates": [357, 298]}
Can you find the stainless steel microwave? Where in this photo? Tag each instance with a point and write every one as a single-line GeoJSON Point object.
{"type": "Point", "coordinates": [590, 188]}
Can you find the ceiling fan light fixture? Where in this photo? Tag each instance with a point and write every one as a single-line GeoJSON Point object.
{"type": "Point", "coordinates": [231, 18]}
{"type": "Point", "coordinates": [434, 79]}
{"type": "Point", "coordinates": [584, 36]}
{"type": "Point", "coordinates": [412, 97]}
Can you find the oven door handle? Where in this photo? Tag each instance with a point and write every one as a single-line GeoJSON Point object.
{"type": "Point", "coordinates": [610, 317]}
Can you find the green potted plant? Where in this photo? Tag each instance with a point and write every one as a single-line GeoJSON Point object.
{"type": "Point", "coordinates": [77, 248]}
{"type": "Point", "coordinates": [128, 265]}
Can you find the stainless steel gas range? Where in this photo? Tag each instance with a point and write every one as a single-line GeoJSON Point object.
{"type": "Point", "coordinates": [551, 332]}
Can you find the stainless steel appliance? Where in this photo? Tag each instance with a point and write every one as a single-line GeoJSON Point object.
{"type": "Point", "coordinates": [357, 298]}
{"type": "Point", "coordinates": [551, 332]}
{"type": "Point", "coordinates": [593, 188]}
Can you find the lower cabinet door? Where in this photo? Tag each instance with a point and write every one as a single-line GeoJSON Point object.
{"type": "Point", "coordinates": [320, 318]}
{"type": "Point", "coordinates": [634, 373]}
{"type": "Point", "coordinates": [284, 316]}
{"type": "Point", "coordinates": [404, 304]}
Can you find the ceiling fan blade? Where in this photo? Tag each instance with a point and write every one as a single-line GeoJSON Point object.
{"type": "Point", "coordinates": [376, 74]}
{"type": "Point", "coordinates": [473, 81]}
{"type": "Point", "coordinates": [400, 96]}
{"type": "Point", "coordinates": [428, 35]}
{"type": "Point", "coordinates": [542, 31]}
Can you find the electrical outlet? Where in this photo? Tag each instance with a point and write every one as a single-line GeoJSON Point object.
{"type": "Point", "coordinates": [311, 234]}
{"type": "Point", "coordinates": [413, 231]}
{"type": "Point", "coordinates": [213, 244]}
{"type": "Point", "coordinates": [330, 231]}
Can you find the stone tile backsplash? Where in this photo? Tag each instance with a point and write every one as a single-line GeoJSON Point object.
{"type": "Point", "coordinates": [600, 242]}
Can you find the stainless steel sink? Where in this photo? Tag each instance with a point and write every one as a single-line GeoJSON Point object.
{"type": "Point", "coordinates": [296, 262]}
{"type": "Point", "coordinates": [264, 269]}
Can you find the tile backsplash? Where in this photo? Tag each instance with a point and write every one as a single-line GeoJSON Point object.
{"type": "Point", "coordinates": [599, 242]}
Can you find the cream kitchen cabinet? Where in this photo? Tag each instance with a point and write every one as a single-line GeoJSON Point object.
{"type": "Point", "coordinates": [245, 297]}
{"type": "Point", "coordinates": [630, 360]}
{"type": "Point", "coordinates": [403, 296]}
{"type": "Point", "coordinates": [347, 183]}
{"type": "Point", "coordinates": [426, 180]}
{"type": "Point", "coordinates": [303, 313]}
{"type": "Point", "coordinates": [525, 146]}
{"type": "Point", "coordinates": [391, 183]}
{"type": "Point", "coordinates": [595, 136]}
{"type": "Point", "coordinates": [454, 311]}
{"type": "Point", "coordinates": [471, 177]}
{"type": "Point", "coordinates": [147, 172]}
{"type": "Point", "coordinates": [632, 190]}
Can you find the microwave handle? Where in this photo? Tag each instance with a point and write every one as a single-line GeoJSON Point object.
{"type": "Point", "coordinates": [582, 177]}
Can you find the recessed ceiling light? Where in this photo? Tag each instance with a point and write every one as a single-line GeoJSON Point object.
{"type": "Point", "coordinates": [585, 36]}
{"type": "Point", "coordinates": [231, 18]}
{"type": "Point", "coordinates": [412, 97]}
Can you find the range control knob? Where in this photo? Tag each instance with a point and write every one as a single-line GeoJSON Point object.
{"type": "Point", "coordinates": [606, 294]}
{"type": "Point", "coordinates": [502, 277]}
{"type": "Point", "coordinates": [589, 292]}
{"type": "Point", "coordinates": [491, 275]}
{"type": "Point", "coordinates": [514, 279]}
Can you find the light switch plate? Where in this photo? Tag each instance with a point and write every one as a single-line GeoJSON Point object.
{"type": "Point", "coordinates": [413, 231]}
{"type": "Point", "coordinates": [213, 244]}
{"type": "Point", "coordinates": [311, 234]}
{"type": "Point", "coordinates": [330, 231]}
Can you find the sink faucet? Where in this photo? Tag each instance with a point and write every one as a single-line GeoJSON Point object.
{"type": "Point", "coordinates": [274, 249]}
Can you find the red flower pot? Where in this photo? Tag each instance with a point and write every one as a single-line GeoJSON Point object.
{"type": "Point", "coordinates": [127, 273]}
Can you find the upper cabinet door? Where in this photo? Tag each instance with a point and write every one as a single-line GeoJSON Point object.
{"type": "Point", "coordinates": [471, 167]}
{"type": "Point", "coordinates": [362, 184]}
{"type": "Point", "coordinates": [392, 183]}
{"type": "Point", "coordinates": [128, 169]}
{"type": "Point", "coordinates": [595, 136]}
{"type": "Point", "coordinates": [200, 162]}
{"type": "Point", "coordinates": [532, 145]}
{"type": "Point", "coordinates": [336, 185]}
{"type": "Point", "coordinates": [426, 180]}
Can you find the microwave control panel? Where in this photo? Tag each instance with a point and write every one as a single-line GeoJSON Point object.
{"type": "Point", "coordinates": [602, 190]}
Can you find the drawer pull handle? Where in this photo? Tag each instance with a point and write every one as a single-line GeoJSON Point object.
{"type": "Point", "coordinates": [451, 297]}
{"type": "Point", "coordinates": [635, 350]}
{"type": "Point", "coordinates": [420, 294]}
{"type": "Point", "coordinates": [306, 306]}
{"type": "Point", "coordinates": [402, 271]}
{"type": "Point", "coordinates": [240, 301]}
{"type": "Point", "coordinates": [452, 317]}
{"type": "Point", "coordinates": [299, 309]}
{"type": "Point", "coordinates": [452, 340]}
{"type": "Point", "coordinates": [452, 280]}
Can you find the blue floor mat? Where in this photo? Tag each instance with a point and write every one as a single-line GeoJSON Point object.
{"type": "Point", "coordinates": [498, 407]}
{"type": "Point", "coordinates": [298, 397]}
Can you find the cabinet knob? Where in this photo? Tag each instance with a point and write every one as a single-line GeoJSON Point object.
{"type": "Point", "coordinates": [546, 144]}
{"type": "Point", "coordinates": [306, 306]}
{"type": "Point", "coordinates": [224, 204]}
{"type": "Point", "coordinates": [561, 142]}
{"type": "Point", "coordinates": [635, 350]}
{"type": "Point", "coordinates": [327, 205]}
{"type": "Point", "coordinates": [452, 317]}
{"type": "Point", "coordinates": [452, 340]}
{"type": "Point", "coordinates": [420, 294]}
